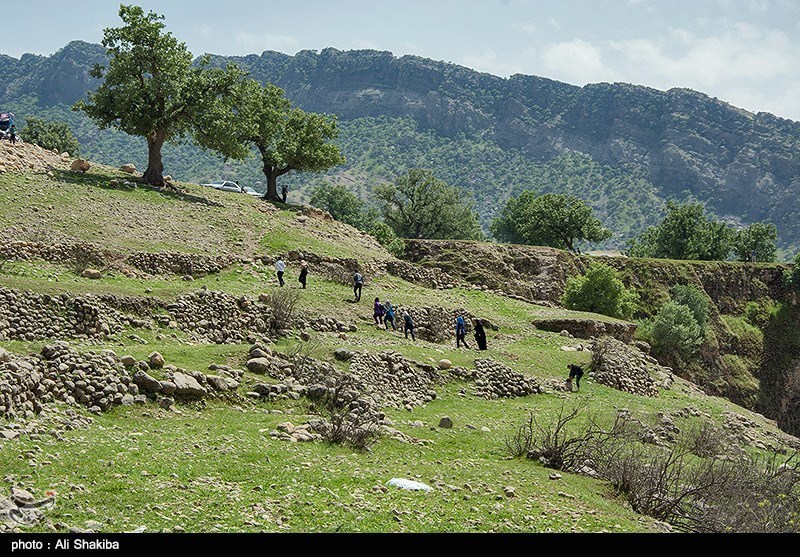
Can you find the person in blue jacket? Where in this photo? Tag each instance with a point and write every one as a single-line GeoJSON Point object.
{"type": "Point", "coordinates": [461, 332]}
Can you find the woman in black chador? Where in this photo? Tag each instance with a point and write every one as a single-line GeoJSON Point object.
{"type": "Point", "coordinates": [480, 335]}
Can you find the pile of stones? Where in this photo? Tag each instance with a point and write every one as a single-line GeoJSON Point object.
{"type": "Point", "coordinates": [393, 381]}
{"type": "Point", "coordinates": [625, 367]}
{"type": "Point", "coordinates": [219, 317]}
{"type": "Point", "coordinates": [435, 323]}
{"type": "Point", "coordinates": [495, 380]}
{"type": "Point", "coordinates": [328, 324]}
{"type": "Point", "coordinates": [430, 277]}
{"type": "Point", "coordinates": [29, 316]}
{"type": "Point", "coordinates": [190, 264]}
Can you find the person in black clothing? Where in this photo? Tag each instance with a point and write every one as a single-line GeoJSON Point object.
{"type": "Point", "coordinates": [303, 273]}
{"type": "Point", "coordinates": [284, 193]}
{"type": "Point", "coordinates": [480, 335]}
{"type": "Point", "coordinates": [358, 283]}
{"type": "Point", "coordinates": [408, 325]}
{"type": "Point", "coordinates": [575, 372]}
{"type": "Point", "coordinates": [13, 133]}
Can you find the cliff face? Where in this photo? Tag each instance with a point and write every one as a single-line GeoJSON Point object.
{"type": "Point", "coordinates": [756, 369]}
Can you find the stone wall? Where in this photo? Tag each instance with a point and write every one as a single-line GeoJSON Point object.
{"type": "Point", "coordinates": [29, 316]}
{"type": "Point", "coordinates": [626, 368]}
{"type": "Point", "coordinates": [588, 328]}
{"type": "Point", "coordinates": [192, 264]}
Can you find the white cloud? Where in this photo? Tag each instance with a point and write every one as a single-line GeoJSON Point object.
{"type": "Point", "coordinates": [362, 44]}
{"type": "Point", "coordinates": [575, 61]}
{"type": "Point", "coordinates": [488, 61]}
{"type": "Point", "coordinates": [259, 43]}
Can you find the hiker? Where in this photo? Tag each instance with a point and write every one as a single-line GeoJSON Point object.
{"type": "Point", "coordinates": [480, 335]}
{"type": "Point", "coordinates": [284, 192]}
{"type": "Point", "coordinates": [378, 311]}
{"type": "Point", "coordinates": [303, 273]}
{"type": "Point", "coordinates": [358, 283]}
{"type": "Point", "coordinates": [461, 332]}
{"type": "Point", "coordinates": [575, 372]}
{"type": "Point", "coordinates": [13, 133]}
{"type": "Point", "coordinates": [408, 325]}
{"type": "Point", "coordinates": [280, 267]}
{"type": "Point", "coordinates": [388, 315]}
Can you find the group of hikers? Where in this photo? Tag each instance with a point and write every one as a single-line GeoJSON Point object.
{"type": "Point", "coordinates": [384, 314]}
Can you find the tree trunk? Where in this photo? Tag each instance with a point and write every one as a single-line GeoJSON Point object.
{"type": "Point", "coordinates": [154, 175]}
{"type": "Point", "coordinates": [272, 184]}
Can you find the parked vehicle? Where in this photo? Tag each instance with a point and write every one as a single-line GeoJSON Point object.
{"type": "Point", "coordinates": [224, 185]}
{"type": "Point", "coordinates": [251, 191]}
{"type": "Point", "coordinates": [6, 121]}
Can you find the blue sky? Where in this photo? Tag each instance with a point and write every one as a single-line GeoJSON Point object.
{"type": "Point", "coordinates": [745, 52]}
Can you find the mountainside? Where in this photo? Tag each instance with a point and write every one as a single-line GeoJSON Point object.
{"type": "Point", "coordinates": [624, 148]}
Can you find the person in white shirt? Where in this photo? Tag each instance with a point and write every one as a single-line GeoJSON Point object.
{"type": "Point", "coordinates": [280, 267]}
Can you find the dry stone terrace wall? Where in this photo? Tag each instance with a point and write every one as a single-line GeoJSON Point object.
{"type": "Point", "coordinates": [219, 317]}
{"type": "Point", "coordinates": [179, 263]}
{"type": "Point", "coordinates": [163, 263]}
{"type": "Point", "coordinates": [434, 323]}
{"type": "Point", "coordinates": [97, 380]}
{"type": "Point", "coordinates": [29, 316]}
{"type": "Point", "coordinates": [588, 328]}
{"type": "Point", "coordinates": [626, 368]}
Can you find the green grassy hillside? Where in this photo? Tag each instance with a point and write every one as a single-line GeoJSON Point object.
{"type": "Point", "coordinates": [213, 466]}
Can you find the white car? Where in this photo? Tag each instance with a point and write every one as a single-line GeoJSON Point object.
{"type": "Point", "coordinates": [224, 185]}
{"type": "Point", "coordinates": [251, 191]}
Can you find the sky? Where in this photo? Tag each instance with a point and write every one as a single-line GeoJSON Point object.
{"type": "Point", "coordinates": [744, 52]}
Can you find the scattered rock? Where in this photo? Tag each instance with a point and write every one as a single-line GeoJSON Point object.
{"type": "Point", "coordinates": [445, 422]}
{"type": "Point", "coordinates": [444, 363]}
{"type": "Point", "coordinates": [156, 360]}
{"type": "Point", "coordinates": [129, 168]}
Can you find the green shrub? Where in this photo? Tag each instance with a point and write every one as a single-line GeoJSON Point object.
{"type": "Point", "coordinates": [600, 291]}
{"type": "Point", "coordinates": [50, 135]}
{"type": "Point", "coordinates": [760, 313]}
{"type": "Point", "coordinates": [694, 298]}
{"type": "Point", "coordinates": [387, 238]}
{"type": "Point", "coordinates": [674, 332]}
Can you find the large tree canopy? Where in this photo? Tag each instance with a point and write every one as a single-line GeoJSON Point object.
{"type": "Point", "coordinates": [551, 219]}
{"type": "Point", "coordinates": [287, 138]}
{"type": "Point", "coordinates": [685, 233]}
{"type": "Point", "coordinates": [756, 242]}
{"type": "Point", "coordinates": [418, 205]}
{"type": "Point", "coordinates": [151, 89]}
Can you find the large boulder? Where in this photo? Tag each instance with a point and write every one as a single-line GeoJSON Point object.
{"type": "Point", "coordinates": [222, 383]}
{"type": "Point", "coordinates": [129, 168]}
{"type": "Point", "coordinates": [258, 365]}
{"type": "Point", "coordinates": [156, 360]}
{"type": "Point", "coordinates": [80, 165]}
{"type": "Point", "coordinates": [187, 385]}
{"type": "Point", "coordinates": [146, 382]}
{"type": "Point", "coordinates": [92, 274]}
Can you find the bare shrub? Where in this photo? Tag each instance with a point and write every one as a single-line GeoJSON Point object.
{"type": "Point", "coordinates": [557, 444]}
{"type": "Point", "coordinates": [349, 419]}
{"type": "Point", "coordinates": [283, 303]}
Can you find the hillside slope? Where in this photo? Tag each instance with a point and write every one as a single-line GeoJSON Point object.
{"type": "Point", "coordinates": [154, 376]}
{"type": "Point", "coordinates": [624, 148]}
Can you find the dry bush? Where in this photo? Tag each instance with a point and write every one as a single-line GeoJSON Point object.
{"type": "Point", "coordinates": [349, 419]}
{"type": "Point", "coordinates": [283, 303]}
{"type": "Point", "coordinates": [554, 443]}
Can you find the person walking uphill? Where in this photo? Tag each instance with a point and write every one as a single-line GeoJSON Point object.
{"type": "Point", "coordinates": [303, 273]}
{"type": "Point", "coordinates": [388, 315]}
{"type": "Point", "coordinates": [408, 325]}
{"type": "Point", "coordinates": [378, 311]}
{"type": "Point", "coordinates": [461, 332]}
{"type": "Point", "coordinates": [480, 335]}
{"type": "Point", "coordinates": [280, 267]}
{"type": "Point", "coordinates": [358, 283]}
{"type": "Point", "coordinates": [575, 372]}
